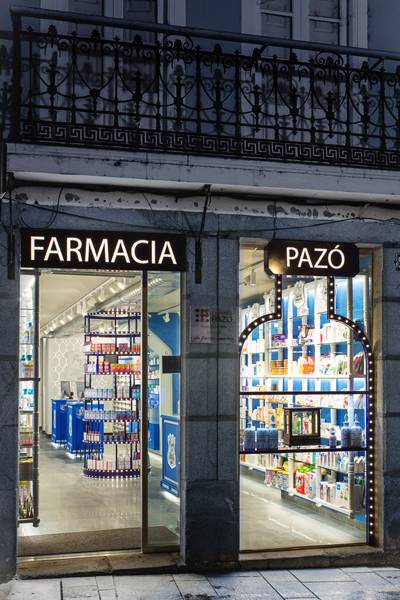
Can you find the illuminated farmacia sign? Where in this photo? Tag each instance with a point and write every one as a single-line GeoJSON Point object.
{"type": "Point", "coordinates": [102, 250]}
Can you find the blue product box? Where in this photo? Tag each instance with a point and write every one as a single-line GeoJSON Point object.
{"type": "Point", "coordinates": [58, 421]}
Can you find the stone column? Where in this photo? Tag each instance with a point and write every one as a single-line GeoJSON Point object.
{"type": "Point", "coordinates": [210, 408]}
{"type": "Point", "coordinates": [9, 333]}
{"type": "Point", "coordinates": [387, 332]}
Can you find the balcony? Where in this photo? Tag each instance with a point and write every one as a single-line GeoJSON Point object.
{"type": "Point", "coordinates": [145, 87]}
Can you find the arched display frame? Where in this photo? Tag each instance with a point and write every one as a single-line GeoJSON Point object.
{"type": "Point", "coordinates": [358, 335]}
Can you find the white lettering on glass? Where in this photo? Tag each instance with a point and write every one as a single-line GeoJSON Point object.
{"type": "Point", "coordinates": [167, 252]}
{"type": "Point", "coordinates": [74, 246]}
{"type": "Point", "coordinates": [133, 252]}
{"type": "Point", "coordinates": [90, 249]}
{"type": "Point", "coordinates": [55, 250]}
{"type": "Point", "coordinates": [34, 246]}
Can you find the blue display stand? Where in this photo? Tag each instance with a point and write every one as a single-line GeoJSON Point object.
{"type": "Point", "coordinates": [59, 421]}
{"type": "Point", "coordinates": [154, 436]}
{"type": "Point", "coordinates": [170, 455]}
{"type": "Point", "coordinates": [75, 429]}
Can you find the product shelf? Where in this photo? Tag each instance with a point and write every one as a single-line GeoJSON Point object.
{"type": "Point", "coordinates": [305, 349]}
{"type": "Point", "coordinates": [112, 334]}
{"type": "Point", "coordinates": [112, 474]}
{"type": "Point", "coordinates": [252, 467]}
{"type": "Point", "coordinates": [114, 353]}
{"type": "Point", "coordinates": [115, 442]}
{"type": "Point", "coordinates": [114, 315]}
{"type": "Point", "coordinates": [110, 373]}
{"type": "Point", "coordinates": [23, 520]}
{"type": "Point", "coordinates": [122, 378]}
{"type": "Point", "coordinates": [299, 450]}
{"type": "Point", "coordinates": [120, 419]}
{"type": "Point", "coordinates": [308, 376]}
{"type": "Point", "coordinates": [342, 471]}
{"type": "Point", "coordinates": [320, 502]}
{"type": "Point", "coordinates": [114, 399]}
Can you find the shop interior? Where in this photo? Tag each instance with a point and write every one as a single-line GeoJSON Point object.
{"type": "Point", "coordinates": [303, 395]}
{"type": "Point", "coordinates": [85, 494]}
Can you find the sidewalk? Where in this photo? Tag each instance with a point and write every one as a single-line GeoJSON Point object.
{"type": "Point", "coordinates": [352, 583]}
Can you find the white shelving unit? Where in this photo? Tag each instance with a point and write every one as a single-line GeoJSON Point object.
{"type": "Point", "coordinates": [263, 371]}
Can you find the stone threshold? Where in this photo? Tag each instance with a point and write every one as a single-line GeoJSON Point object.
{"type": "Point", "coordinates": [135, 562]}
{"type": "Point", "coordinates": [341, 556]}
{"type": "Point", "coordinates": [97, 563]}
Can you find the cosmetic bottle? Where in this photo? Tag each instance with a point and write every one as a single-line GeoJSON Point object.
{"type": "Point", "coordinates": [249, 438]}
{"type": "Point", "coordinates": [356, 434]}
{"type": "Point", "coordinates": [332, 438]}
{"type": "Point", "coordinates": [262, 438]}
{"type": "Point", "coordinates": [346, 433]}
{"type": "Point", "coordinates": [272, 434]}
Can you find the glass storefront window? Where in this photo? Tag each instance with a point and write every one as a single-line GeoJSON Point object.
{"type": "Point", "coordinates": [303, 409]}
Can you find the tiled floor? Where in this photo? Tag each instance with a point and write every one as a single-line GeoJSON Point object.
{"type": "Point", "coordinates": [266, 515]}
{"type": "Point", "coordinates": [70, 503]}
{"type": "Point", "coordinates": [358, 583]}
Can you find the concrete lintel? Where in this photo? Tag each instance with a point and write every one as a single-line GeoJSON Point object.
{"type": "Point", "coordinates": [201, 170]}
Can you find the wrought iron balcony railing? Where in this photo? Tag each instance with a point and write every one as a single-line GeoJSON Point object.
{"type": "Point", "coordinates": [146, 87]}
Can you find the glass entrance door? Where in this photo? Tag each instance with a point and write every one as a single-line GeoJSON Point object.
{"type": "Point", "coordinates": [161, 427]}
{"type": "Point", "coordinates": [99, 413]}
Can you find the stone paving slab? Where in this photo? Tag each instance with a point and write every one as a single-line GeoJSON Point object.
{"type": "Point", "coordinates": [316, 575]}
{"type": "Point", "coordinates": [292, 589]}
{"type": "Point", "coordinates": [373, 581]}
{"type": "Point", "coordinates": [350, 583]}
{"type": "Point", "coordinates": [108, 595]}
{"type": "Point", "coordinates": [105, 582]}
{"type": "Point", "coordinates": [196, 588]}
